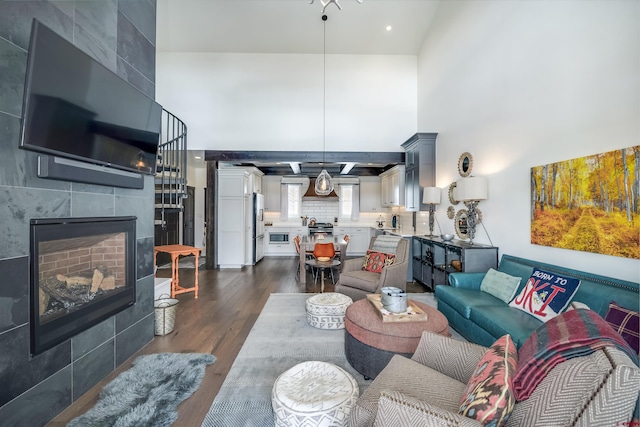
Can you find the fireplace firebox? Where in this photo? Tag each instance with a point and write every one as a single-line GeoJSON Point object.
{"type": "Point", "coordinates": [82, 272]}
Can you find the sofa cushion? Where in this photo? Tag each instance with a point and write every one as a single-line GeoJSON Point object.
{"type": "Point", "coordinates": [503, 320]}
{"type": "Point", "coordinates": [546, 294]}
{"type": "Point", "coordinates": [376, 261]}
{"type": "Point", "coordinates": [625, 322]}
{"type": "Point", "coordinates": [489, 396]}
{"type": "Point", "coordinates": [463, 300]}
{"type": "Point", "coordinates": [396, 409]}
{"type": "Point", "coordinates": [361, 279]}
{"type": "Point", "coordinates": [501, 285]}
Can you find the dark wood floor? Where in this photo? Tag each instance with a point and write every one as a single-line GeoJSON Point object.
{"type": "Point", "coordinates": [218, 323]}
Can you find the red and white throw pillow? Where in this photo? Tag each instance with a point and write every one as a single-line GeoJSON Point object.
{"type": "Point", "coordinates": [546, 294]}
{"type": "Point", "coordinates": [376, 261]}
{"type": "Point", "coordinates": [489, 396]}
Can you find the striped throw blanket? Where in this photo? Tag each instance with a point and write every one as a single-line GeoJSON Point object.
{"type": "Point", "coordinates": [573, 333]}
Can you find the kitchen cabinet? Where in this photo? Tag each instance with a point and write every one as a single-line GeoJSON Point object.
{"type": "Point", "coordinates": [434, 259]}
{"type": "Point", "coordinates": [231, 228]}
{"type": "Point", "coordinates": [392, 186]}
{"type": "Point", "coordinates": [370, 194]}
{"type": "Point", "coordinates": [359, 238]}
{"type": "Point", "coordinates": [271, 191]}
{"type": "Point", "coordinates": [282, 248]}
{"type": "Point", "coordinates": [420, 169]}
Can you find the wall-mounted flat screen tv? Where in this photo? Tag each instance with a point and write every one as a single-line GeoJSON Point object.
{"type": "Point", "coordinates": [74, 107]}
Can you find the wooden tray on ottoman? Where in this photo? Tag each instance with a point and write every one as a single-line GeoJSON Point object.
{"type": "Point", "coordinates": [413, 313]}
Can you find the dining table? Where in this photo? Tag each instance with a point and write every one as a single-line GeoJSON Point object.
{"type": "Point", "coordinates": [307, 243]}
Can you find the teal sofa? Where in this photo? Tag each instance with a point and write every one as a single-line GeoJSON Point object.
{"type": "Point", "coordinates": [481, 318]}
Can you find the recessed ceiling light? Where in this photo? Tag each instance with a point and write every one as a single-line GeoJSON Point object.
{"type": "Point", "coordinates": [389, 28]}
{"type": "Point", "coordinates": [197, 157]}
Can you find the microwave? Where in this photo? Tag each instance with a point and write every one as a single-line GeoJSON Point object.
{"type": "Point", "coordinates": [278, 238]}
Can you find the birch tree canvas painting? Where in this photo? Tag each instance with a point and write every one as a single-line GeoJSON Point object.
{"type": "Point", "coordinates": [589, 204]}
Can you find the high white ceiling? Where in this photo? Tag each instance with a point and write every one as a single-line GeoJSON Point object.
{"type": "Point", "coordinates": [293, 26]}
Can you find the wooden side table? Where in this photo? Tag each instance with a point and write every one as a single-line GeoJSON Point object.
{"type": "Point", "coordinates": [175, 251]}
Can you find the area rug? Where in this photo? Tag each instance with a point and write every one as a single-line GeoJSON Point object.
{"type": "Point", "coordinates": [148, 393]}
{"type": "Point", "coordinates": [279, 340]}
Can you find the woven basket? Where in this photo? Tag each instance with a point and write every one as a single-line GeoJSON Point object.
{"type": "Point", "coordinates": [165, 314]}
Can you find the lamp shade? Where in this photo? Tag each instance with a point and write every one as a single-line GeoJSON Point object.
{"type": "Point", "coordinates": [431, 195]}
{"type": "Point", "coordinates": [472, 188]}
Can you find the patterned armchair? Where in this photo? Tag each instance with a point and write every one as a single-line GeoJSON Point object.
{"type": "Point", "coordinates": [599, 389]}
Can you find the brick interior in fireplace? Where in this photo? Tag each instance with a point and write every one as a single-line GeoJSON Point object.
{"type": "Point", "coordinates": [76, 271]}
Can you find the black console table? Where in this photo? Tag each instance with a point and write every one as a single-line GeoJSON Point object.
{"type": "Point", "coordinates": [434, 259]}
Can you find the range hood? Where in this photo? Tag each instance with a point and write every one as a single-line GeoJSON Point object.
{"type": "Point", "coordinates": [312, 196]}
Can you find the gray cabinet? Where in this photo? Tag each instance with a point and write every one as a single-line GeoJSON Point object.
{"type": "Point", "coordinates": [434, 258]}
{"type": "Point", "coordinates": [420, 169]}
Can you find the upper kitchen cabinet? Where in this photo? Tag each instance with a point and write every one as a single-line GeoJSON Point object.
{"type": "Point", "coordinates": [271, 191]}
{"type": "Point", "coordinates": [420, 169]}
{"type": "Point", "coordinates": [370, 194]}
{"type": "Point", "coordinates": [392, 186]}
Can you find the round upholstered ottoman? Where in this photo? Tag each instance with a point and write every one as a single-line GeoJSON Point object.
{"type": "Point", "coordinates": [314, 394]}
{"type": "Point", "coordinates": [370, 344]}
{"type": "Point", "coordinates": [326, 311]}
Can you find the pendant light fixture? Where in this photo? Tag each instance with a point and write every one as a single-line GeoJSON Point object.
{"type": "Point", "coordinates": [324, 183]}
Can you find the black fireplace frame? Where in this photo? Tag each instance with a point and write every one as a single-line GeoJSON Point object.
{"type": "Point", "coordinates": [56, 331]}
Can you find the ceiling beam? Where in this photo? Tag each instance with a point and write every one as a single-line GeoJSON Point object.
{"type": "Point", "coordinates": [304, 156]}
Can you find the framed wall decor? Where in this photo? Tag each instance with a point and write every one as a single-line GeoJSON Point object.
{"type": "Point", "coordinates": [452, 199]}
{"type": "Point", "coordinates": [460, 224]}
{"type": "Point", "coordinates": [465, 164]}
{"type": "Point", "coordinates": [588, 204]}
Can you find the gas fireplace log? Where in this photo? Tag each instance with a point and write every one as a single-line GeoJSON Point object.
{"type": "Point", "coordinates": [53, 288]}
{"type": "Point", "coordinates": [44, 300]}
{"type": "Point", "coordinates": [96, 281]}
{"type": "Point", "coordinates": [74, 280]}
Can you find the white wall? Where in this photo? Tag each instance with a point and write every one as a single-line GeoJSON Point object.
{"type": "Point", "coordinates": [275, 101]}
{"type": "Point", "coordinates": [525, 83]}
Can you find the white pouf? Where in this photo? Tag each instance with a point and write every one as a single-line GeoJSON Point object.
{"type": "Point", "coordinates": [326, 311]}
{"type": "Point", "coordinates": [314, 394]}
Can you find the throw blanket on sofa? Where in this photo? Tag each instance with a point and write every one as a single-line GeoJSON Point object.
{"type": "Point", "coordinates": [573, 333]}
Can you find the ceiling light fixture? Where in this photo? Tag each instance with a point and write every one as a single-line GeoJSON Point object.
{"type": "Point", "coordinates": [328, 2]}
{"type": "Point", "coordinates": [324, 183]}
{"type": "Point", "coordinates": [388, 28]}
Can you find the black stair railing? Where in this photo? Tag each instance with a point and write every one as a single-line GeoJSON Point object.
{"type": "Point", "coordinates": [171, 168]}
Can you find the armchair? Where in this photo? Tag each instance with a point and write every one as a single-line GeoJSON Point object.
{"type": "Point", "coordinates": [357, 283]}
{"type": "Point", "coordinates": [599, 389]}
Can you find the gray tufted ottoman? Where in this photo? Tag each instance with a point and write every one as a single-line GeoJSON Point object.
{"type": "Point", "coordinates": [314, 394]}
{"type": "Point", "coordinates": [326, 311]}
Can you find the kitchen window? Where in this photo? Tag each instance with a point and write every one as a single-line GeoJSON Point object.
{"type": "Point", "coordinates": [350, 201]}
{"type": "Point", "coordinates": [290, 201]}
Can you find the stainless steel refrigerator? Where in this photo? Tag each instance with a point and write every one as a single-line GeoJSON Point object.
{"type": "Point", "coordinates": [258, 227]}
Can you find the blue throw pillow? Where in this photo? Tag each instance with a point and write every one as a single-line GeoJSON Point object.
{"type": "Point", "coordinates": [546, 294]}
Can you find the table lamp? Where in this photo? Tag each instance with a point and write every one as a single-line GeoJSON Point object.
{"type": "Point", "coordinates": [431, 196]}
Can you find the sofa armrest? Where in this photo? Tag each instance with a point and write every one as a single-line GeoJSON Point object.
{"type": "Point", "coordinates": [394, 275]}
{"type": "Point", "coordinates": [466, 280]}
{"type": "Point", "coordinates": [395, 408]}
{"type": "Point", "coordinates": [455, 359]}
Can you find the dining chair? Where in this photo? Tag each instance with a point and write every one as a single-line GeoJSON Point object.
{"type": "Point", "coordinates": [308, 255]}
{"type": "Point", "coordinates": [324, 250]}
{"type": "Point", "coordinates": [339, 251]}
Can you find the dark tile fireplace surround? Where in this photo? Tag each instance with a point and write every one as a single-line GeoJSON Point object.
{"type": "Point", "coordinates": [121, 35]}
